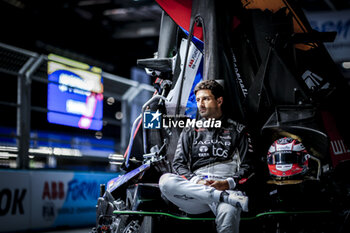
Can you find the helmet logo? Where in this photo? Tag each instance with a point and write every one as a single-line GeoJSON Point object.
{"type": "Point", "coordinates": [284, 167]}
{"type": "Point", "coordinates": [284, 140]}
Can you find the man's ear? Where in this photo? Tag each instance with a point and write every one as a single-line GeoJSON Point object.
{"type": "Point", "coordinates": [220, 100]}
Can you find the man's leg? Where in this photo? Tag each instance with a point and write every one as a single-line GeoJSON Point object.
{"type": "Point", "coordinates": [191, 198]}
{"type": "Point", "coordinates": [227, 218]}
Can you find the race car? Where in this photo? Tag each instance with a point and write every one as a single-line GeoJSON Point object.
{"type": "Point", "coordinates": [281, 83]}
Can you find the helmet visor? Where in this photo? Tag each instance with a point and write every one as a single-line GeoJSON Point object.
{"type": "Point", "coordinates": [289, 157]}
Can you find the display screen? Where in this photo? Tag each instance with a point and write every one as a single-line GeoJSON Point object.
{"type": "Point", "coordinates": [75, 94]}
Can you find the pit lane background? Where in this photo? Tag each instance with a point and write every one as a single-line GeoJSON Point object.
{"type": "Point", "coordinates": [32, 200]}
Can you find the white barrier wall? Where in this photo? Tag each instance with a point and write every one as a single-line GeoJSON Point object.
{"type": "Point", "coordinates": [15, 200]}
{"type": "Point", "coordinates": [47, 199]}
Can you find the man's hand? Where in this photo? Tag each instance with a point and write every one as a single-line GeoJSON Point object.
{"type": "Point", "coordinates": [205, 182]}
{"type": "Point", "coordinates": [218, 184]}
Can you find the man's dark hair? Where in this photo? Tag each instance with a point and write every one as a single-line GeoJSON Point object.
{"type": "Point", "coordinates": [216, 89]}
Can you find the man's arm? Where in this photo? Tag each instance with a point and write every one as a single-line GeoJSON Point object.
{"type": "Point", "coordinates": [246, 152]}
{"type": "Point", "coordinates": [244, 171]}
{"type": "Point", "coordinates": [181, 162]}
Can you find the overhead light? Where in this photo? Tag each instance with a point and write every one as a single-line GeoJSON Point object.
{"type": "Point", "coordinates": [115, 163]}
{"type": "Point", "coordinates": [98, 135]}
{"type": "Point", "coordinates": [110, 100]}
{"type": "Point", "coordinates": [118, 11]}
{"type": "Point", "coordinates": [7, 151]}
{"type": "Point", "coordinates": [93, 2]}
{"type": "Point", "coordinates": [346, 65]}
{"type": "Point", "coordinates": [41, 150]}
{"type": "Point", "coordinates": [15, 3]}
{"type": "Point", "coordinates": [66, 152]}
{"type": "Point", "coordinates": [8, 148]}
{"type": "Point", "coordinates": [6, 155]}
{"type": "Point", "coordinates": [119, 115]}
{"type": "Point", "coordinates": [146, 31]}
{"type": "Point", "coordinates": [116, 157]}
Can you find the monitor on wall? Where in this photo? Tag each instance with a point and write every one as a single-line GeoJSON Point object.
{"type": "Point", "coordinates": [75, 93]}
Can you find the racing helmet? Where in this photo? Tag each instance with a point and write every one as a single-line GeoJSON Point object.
{"type": "Point", "coordinates": [287, 158]}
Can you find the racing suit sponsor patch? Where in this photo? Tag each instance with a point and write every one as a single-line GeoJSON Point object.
{"type": "Point", "coordinates": [183, 197]}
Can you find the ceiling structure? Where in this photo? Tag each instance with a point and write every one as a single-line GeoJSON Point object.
{"type": "Point", "coordinates": [110, 34]}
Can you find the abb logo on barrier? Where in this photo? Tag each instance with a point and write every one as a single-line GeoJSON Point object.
{"type": "Point", "coordinates": [53, 190]}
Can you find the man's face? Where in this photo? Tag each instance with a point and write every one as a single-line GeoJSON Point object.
{"type": "Point", "coordinates": [208, 106]}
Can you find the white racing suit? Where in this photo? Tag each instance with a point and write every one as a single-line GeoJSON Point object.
{"type": "Point", "coordinates": [208, 153]}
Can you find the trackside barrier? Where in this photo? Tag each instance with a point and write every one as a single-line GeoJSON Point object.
{"type": "Point", "coordinates": [48, 199]}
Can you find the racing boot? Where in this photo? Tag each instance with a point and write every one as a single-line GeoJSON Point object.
{"type": "Point", "coordinates": [235, 198]}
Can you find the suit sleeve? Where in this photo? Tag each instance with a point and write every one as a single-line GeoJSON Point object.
{"type": "Point", "coordinates": [182, 159]}
{"type": "Point", "coordinates": [246, 152]}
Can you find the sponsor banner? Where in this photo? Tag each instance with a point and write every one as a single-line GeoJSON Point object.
{"type": "Point", "coordinates": [79, 207]}
{"type": "Point", "coordinates": [15, 200]}
{"type": "Point", "coordinates": [338, 21]}
{"type": "Point", "coordinates": [49, 191]}
{"type": "Point", "coordinates": [66, 198]}
{"type": "Point", "coordinates": [48, 199]}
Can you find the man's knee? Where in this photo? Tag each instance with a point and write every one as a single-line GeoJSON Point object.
{"type": "Point", "coordinates": [164, 178]}
{"type": "Point", "coordinates": [166, 181]}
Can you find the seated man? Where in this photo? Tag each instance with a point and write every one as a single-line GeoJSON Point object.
{"type": "Point", "coordinates": [208, 162]}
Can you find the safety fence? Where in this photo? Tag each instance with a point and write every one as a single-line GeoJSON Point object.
{"type": "Point", "coordinates": [27, 140]}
